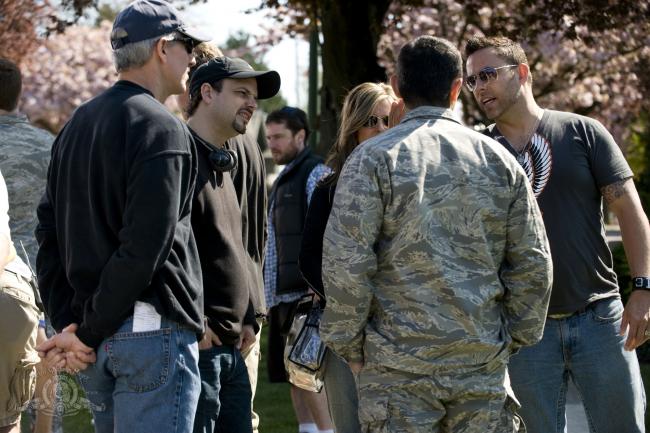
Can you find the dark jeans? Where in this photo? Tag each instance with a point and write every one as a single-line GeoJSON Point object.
{"type": "Point", "coordinates": [225, 400]}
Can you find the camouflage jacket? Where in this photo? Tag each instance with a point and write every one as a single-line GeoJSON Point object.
{"type": "Point", "coordinates": [435, 254]}
{"type": "Point", "coordinates": [24, 156]}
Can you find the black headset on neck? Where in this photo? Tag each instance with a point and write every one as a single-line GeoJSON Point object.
{"type": "Point", "coordinates": [221, 159]}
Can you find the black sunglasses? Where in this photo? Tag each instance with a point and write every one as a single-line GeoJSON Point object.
{"type": "Point", "coordinates": [374, 120]}
{"type": "Point", "coordinates": [486, 74]}
{"type": "Point", "coordinates": [188, 43]}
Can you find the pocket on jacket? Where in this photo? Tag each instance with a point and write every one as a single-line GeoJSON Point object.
{"type": "Point", "coordinates": [143, 359]}
{"type": "Point", "coordinates": [22, 384]}
{"type": "Point", "coordinates": [373, 407]}
{"type": "Point", "coordinates": [507, 417]}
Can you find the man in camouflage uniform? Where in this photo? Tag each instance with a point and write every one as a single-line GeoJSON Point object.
{"type": "Point", "coordinates": [435, 262]}
{"type": "Point", "coordinates": [24, 155]}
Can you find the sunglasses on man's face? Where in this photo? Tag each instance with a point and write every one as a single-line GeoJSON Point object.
{"type": "Point", "coordinates": [374, 121]}
{"type": "Point", "coordinates": [486, 74]}
{"type": "Point", "coordinates": [188, 43]}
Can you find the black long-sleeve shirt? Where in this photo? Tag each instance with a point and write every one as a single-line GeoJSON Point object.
{"type": "Point", "coordinates": [114, 223]}
{"type": "Point", "coordinates": [311, 249]}
{"type": "Point", "coordinates": [216, 221]}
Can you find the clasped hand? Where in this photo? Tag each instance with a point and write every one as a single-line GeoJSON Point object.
{"type": "Point", "coordinates": [64, 351]}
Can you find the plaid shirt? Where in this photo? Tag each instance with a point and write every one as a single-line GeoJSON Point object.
{"type": "Point", "coordinates": [271, 261]}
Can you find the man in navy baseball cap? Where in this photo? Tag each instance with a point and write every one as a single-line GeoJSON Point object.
{"type": "Point", "coordinates": [147, 19]}
{"type": "Point", "coordinates": [123, 174]}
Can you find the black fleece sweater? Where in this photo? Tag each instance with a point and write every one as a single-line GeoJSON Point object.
{"type": "Point", "coordinates": [311, 249]}
{"type": "Point", "coordinates": [216, 221]}
{"type": "Point", "coordinates": [250, 183]}
{"type": "Point", "coordinates": [114, 224]}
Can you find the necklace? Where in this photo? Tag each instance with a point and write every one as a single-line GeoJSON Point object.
{"type": "Point", "coordinates": [529, 135]}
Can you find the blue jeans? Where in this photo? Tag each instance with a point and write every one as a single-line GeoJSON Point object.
{"type": "Point", "coordinates": [225, 401]}
{"type": "Point", "coordinates": [587, 348]}
{"type": "Point", "coordinates": [144, 382]}
{"type": "Point", "coordinates": [342, 394]}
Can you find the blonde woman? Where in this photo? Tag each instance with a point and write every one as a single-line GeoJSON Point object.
{"type": "Point", "coordinates": [368, 110]}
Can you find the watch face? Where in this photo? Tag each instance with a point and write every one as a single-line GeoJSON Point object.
{"type": "Point", "coordinates": [641, 283]}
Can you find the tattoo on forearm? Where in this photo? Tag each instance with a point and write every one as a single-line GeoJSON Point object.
{"type": "Point", "coordinates": [615, 190]}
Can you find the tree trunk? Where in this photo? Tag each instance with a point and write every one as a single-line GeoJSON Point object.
{"type": "Point", "coordinates": [351, 31]}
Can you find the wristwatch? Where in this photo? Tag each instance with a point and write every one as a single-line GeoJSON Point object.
{"type": "Point", "coordinates": [641, 283]}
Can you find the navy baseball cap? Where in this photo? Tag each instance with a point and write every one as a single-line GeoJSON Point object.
{"type": "Point", "coordinates": [147, 19]}
{"type": "Point", "coordinates": [268, 82]}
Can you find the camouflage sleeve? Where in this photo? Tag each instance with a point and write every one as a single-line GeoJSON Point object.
{"type": "Point", "coordinates": [4, 208]}
{"type": "Point", "coordinates": [349, 260]}
{"type": "Point", "coordinates": [5, 235]}
{"type": "Point", "coordinates": [527, 271]}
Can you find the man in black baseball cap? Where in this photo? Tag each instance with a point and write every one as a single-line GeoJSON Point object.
{"type": "Point", "coordinates": [118, 264]}
{"type": "Point", "coordinates": [224, 94]}
{"type": "Point", "coordinates": [146, 19]}
{"type": "Point", "coordinates": [268, 82]}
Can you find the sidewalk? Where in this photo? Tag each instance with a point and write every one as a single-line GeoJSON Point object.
{"type": "Point", "coordinates": [576, 419]}
{"type": "Point", "coordinates": [613, 233]}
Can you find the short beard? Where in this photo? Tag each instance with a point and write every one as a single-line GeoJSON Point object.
{"type": "Point", "coordinates": [239, 126]}
{"type": "Point", "coordinates": [286, 158]}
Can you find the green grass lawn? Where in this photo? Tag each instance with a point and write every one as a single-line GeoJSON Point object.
{"type": "Point", "coordinates": [272, 403]}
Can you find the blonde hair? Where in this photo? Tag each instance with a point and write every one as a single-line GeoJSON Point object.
{"type": "Point", "coordinates": [203, 53]}
{"type": "Point", "coordinates": [358, 106]}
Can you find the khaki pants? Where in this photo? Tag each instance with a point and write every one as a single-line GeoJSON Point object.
{"type": "Point", "coordinates": [18, 356]}
{"type": "Point", "coordinates": [252, 358]}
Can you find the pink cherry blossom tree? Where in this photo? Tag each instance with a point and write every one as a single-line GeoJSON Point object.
{"type": "Point", "coordinates": [593, 68]}
{"type": "Point", "coordinates": [64, 71]}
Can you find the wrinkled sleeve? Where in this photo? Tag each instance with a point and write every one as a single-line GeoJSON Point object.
{"type": "Point", "coordinates": [311, 248]}
{"type": "Point", "coordinates": [527, 270]}
{"type": "Point", "coordinates": [54, 287]}
{"type": "Point", "coordinates": [349, 259]}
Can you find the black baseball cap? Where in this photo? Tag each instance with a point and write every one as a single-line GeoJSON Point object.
{"type": "Point", "coordinates": [268, 82]}
{"type": "Point", "coordinates": [146, 19]}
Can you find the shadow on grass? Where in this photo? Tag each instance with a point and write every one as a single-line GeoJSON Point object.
{"type": "Point", "coordinates": [272, 403]}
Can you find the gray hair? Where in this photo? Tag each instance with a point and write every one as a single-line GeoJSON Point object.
{"type": "Point", "coordinates": [136, 54]}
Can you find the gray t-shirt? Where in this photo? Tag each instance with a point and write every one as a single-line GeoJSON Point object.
{"type": "Point", "coordinates": [568, 160]}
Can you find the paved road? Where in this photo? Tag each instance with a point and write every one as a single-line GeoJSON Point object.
{"type": "Point", "coordinates": [575, 412]}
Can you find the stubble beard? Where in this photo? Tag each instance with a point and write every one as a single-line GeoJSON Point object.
{"type": "Point", "coordinates": [506, 102]}
{"type": "Point", "coordinates": [285, 158]}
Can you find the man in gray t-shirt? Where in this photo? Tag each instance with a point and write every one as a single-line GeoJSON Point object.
{"type": "Point", "coordinates": [573, 163]}
{"type": "Point", "coordinates": [569, 158]}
